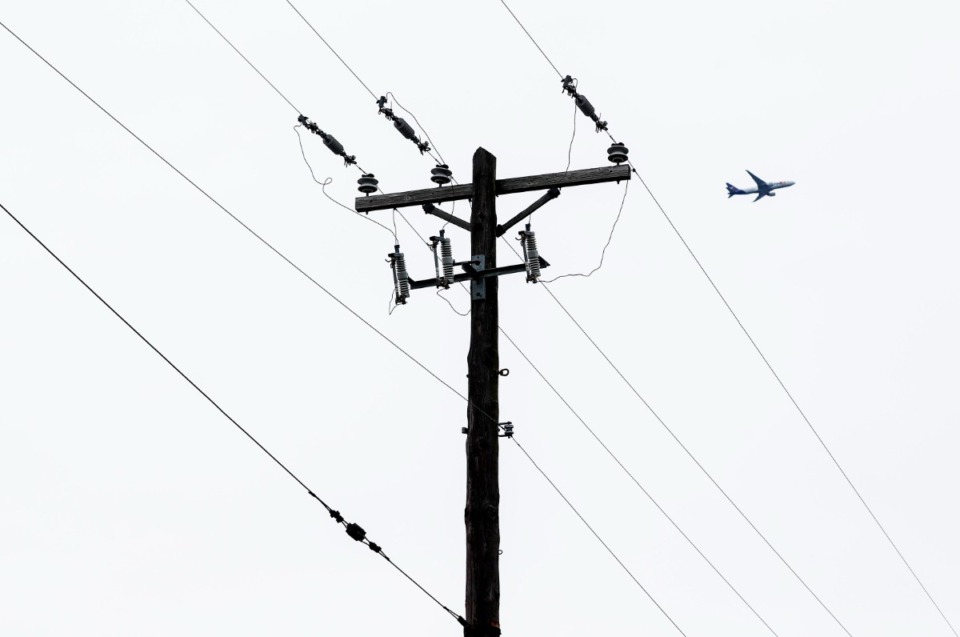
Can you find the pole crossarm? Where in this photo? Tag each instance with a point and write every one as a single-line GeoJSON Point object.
{"type": "Point", "coordinates": [503, 187]}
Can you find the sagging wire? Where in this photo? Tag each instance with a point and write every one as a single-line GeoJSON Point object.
{"type": "Point", "coordinates": [603, 254]}
{"type": "Point", "coordinates": [326, 182]}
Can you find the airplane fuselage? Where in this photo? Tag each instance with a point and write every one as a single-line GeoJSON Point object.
{"type": "Point", "coordinates": [773, 185]}
{"type": "Point", "coordinates": [762, 189]}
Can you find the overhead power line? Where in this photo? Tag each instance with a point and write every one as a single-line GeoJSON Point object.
{"type": "Point", "coordinates": [597, 535]}
{"type": "Point", "coordinates": [276, 251]}
{"type": "Point", "coordinates": [354, 530]}
{"type": "Point", "coordinates": [637, 482]}
{"type": "Point", "coordinates": [535, 43]}
{"type": "Point", "coordinates": [245, 59]}
{"type": "Point", "coordinates": [776, 376]}
{"type": "Point", "coordinates": [796, 405]}
{"type": "Point", "coordinates": [689, 453]}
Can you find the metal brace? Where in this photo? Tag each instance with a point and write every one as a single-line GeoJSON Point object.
{"type": "Point", "coordinates": [478, 286]}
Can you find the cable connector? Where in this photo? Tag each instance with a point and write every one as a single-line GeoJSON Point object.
{"type": "Point", "coordinates": [570, 87]}
{"type": "Point", "coordinates": [328, 140]}
{"type": "Point", "coordinates": [402, 126]}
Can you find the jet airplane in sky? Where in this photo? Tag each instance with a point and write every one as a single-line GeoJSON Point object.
{"type": "Point", "coordinates": [763, 188]}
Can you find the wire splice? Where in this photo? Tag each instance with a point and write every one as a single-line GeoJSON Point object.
{"type": "Point", "coordinates": [570, 87]}
{"type": "Point", "coordinates": [328, 140]}
{"type": "Point", "coordinates": [402, 126]}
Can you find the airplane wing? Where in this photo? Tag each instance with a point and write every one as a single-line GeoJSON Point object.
{"type": "Point", "coordinates": [761, 184]}
{"type": "Point", "coordinates": [762, 194]}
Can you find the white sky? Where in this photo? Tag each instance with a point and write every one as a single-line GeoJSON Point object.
{"type": "Point", "coordinates": [130, 506]}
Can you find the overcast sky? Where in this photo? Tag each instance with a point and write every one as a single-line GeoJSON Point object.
{"type": "Point", "coordinates": [130, 506]}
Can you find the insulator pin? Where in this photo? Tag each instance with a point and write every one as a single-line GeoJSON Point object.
{"type": "Point", "coordinates": [531, 256]}
{"type": "Point", "coordinates": [617, 153]}
{"type": "Point", "coordinates": [441, 174]}
{"type": "Point", "coordinates": [401, 281]}
{"type": "Point", "coordinates": [368, 184]}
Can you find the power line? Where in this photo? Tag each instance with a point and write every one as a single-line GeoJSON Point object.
{"type": "Point", "coordinates": [597, 535]}
{"type": "Point", "coordinates": [691, 456]}
{"type": "Point", "coordinates": [354, 530]}
{"type": "Point", "coordinates": [637, 482]}
{"type": "Point", "coordinates": [292, 264]}
{"type": "Point", "coordinates": [795, 404]}
{"type": "Point", "coordinates": [697, 462]}
{"type": "Point", "coordinates": [332, 50]}
{"type": "Point", "coordinates": [603, 253]}
{"type": "Point", "coordinates": [234, 217]}
{"type": "Point", "coordinates": [545, 56]}
{"type": "Point", "coordinates": [245, 59]}
{"type": "Point", "coordinates": [772, 371]}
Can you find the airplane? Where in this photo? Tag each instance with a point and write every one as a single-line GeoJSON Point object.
{"type": "Point", "coordinates": [763, 188]}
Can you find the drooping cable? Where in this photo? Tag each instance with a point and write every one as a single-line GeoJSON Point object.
{"type": "Point", "coordinates": [354, 530]}
{"type": "Point", "coordinates": [603, 253]}
{"type": "Point", "coordinates": [326, 182]}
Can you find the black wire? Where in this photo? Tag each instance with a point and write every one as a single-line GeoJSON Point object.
{"type": "Point", "coordinates": [603, 254]}
{"type": "Point", "coordinates": [597, 535]}
{"type": "Point", "coordinates": [637, 482]}
{"type": "Point", "coordinates": [422, 129]}
{"type": "Point", "coordinates": [795, 404]}
{"type": "Point", "coordinates": [332, 50]}
{"type": "Point", "coordinates": [545, 57]}
{"type": "Point", "coordinates": [225, 39]}
{"type": "Point", "coordinates": [336, 515]}
{"type": "Point", "coordinates": [697, 462]}
{"type": "Point", "coordinates": [326, 182]}
{"type": "Point", "coordinates": [237, 219]}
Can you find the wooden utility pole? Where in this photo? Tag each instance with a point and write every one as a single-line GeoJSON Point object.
{"type": "Point", "coordinates": [482, 512]}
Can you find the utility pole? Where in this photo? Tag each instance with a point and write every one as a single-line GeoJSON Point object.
{"type": "Point", "coordinates": [482, 512]}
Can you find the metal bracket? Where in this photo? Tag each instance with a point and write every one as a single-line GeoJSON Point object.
{"type": "Point", "coordinates": [478, 286]}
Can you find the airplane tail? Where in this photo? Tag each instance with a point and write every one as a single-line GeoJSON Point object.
{"type": "Point", "coordinates": [733, 190]}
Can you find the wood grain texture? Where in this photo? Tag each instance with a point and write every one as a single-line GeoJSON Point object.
{"type": "Point", "coordinates": [482, 512]}
{"type": "Point", "coordinates": [503, 187]}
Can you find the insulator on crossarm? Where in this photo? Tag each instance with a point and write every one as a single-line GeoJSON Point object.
{"type": "Point", "coordinates": [531, 255]}
{"type": "Point", "coordinates": [441, 174]}
{"type": "Point", "coordinates": [617, 153]}
{"type": "Point", "coordinates": [401, 281]}
{"type": "Point", "coordinates": [368, 184]}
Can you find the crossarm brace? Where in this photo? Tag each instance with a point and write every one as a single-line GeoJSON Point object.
{"type": "Point", "coordinates": [430, 209]}
{"type": "Point", "coordinates": [551, 194]}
